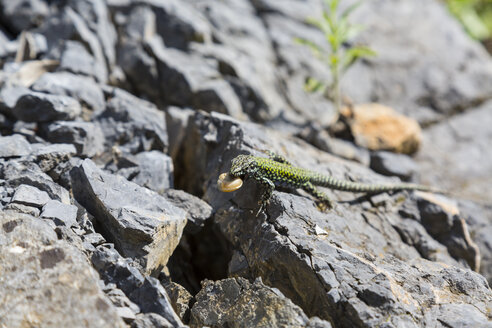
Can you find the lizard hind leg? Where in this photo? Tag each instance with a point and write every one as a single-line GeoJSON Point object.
{"type": "Point", "coordinates": [278, 158]}
{"type": "Point", "coordinates": [322, 200]}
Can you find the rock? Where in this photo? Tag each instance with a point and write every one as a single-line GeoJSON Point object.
{"type": "Point", "coordinates": [49, 156]}
{"type": "Point", "coordinates": [349, 260]}
{"type": "Point", "coordinates": [177, 121]}
{"type": "Point", "coordinates": [76, 59]}
{"type": "Point", "coordinates": [413, 72]}
{"type": "Point", "coordinates": [9, 97]}
{"type": "Point", "coordinates": [87, 137]}
{"type": "Point", "coordinates": [153, 298]}
{"type": "Point", "coordinates": [144, 225]}
{"type": "Point", "coordinates": [399, 165]}
{"type": "Point", "coordinates": [180, 300]}
{"type": "Point", "coordinates": [235, 302]}
{"type": "Point", "coordinates": [456, 157]}
{"type": "Point", "coordinates": [155, 171]}
{"type": "Point", "coordinates": [479, 220]}
{"type": "Point", "coordinates": [146, 292]}
{"type": "Point", "coordinates": [378, 127]}
{"type": "Point", "coordinates": [59, 213]}
{"type": "Point", "coordinates": [442, 220]}
{"type": "Point", "coordinates": [62, 280]}
{"type": "Point", "coordinates": [30, 196]}
{"type": "Point", "coordinates": [21, 15]}
{"type": "Point", "coordinates": [133, 122]}
{"type": "Point", "coordinates": [31, 46]}
{"type": "Point", "coordinates": [150, 320]}
{"type": "Point", "coordinates": [30, 210]}
{"type": "Point", "coordinates": [26, 73]}
{"type": "Point", "coordinates": [17, 173]}
{"type": "Point", "coordinates": [197, 211]}
{"type": "Point", "coordinates": [321, 139]}
{"type": "Point", "coordinates": [82, 88]}
{"type": "Point", "coordinates": [14, 146]}
{"type": "Point", "coordinates": [41, 107]}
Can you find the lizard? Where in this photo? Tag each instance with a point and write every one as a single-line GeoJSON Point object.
{"type": "Point", "coordinates": [277, 171]}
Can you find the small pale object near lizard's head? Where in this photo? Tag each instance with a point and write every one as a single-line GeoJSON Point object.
{"type": "Point", "coordinates": [228, 183]}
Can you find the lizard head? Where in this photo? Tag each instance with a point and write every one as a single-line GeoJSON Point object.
{"type": "Point", "coordinates": [241, 165]}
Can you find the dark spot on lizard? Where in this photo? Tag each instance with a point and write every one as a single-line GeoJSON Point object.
{"type": "Point", "coordinates": [51, 257]}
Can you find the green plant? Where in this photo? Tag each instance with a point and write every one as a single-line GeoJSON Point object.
{"type": "Point", "coordinates": [474, 15]}
{"type": "Point", "coordinates": [338, 32]}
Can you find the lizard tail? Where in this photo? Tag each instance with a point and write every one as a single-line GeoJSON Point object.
{"type": "Point", "coordinates": [336, 184]}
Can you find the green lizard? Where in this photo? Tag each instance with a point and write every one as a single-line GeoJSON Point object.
{"type": "Point", "coordinates": [277, 171]}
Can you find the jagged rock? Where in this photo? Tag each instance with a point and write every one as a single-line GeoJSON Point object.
{"type": "Point", "coordinates": [49, 156]}
{"type": "Point", "coordinates": [59, 213]}
{"type": "Point", "coordinates": [133, 122]}
{"type": "Point", "coordinates": [197, 211]}
{"type": "Point", "coordinates": [9, 96]}
{"type": "Point", "coordinates": [177, 121]}
{"type": "Point", "coordinates": [151, 320]}
{"type": "Point", "coordinates": [41, 107]}
{"type": "Point", "coordinates": [143, 225]}
{"type": "Point", "coordinates": [180, 300]}
{"type": "Point", "coordinates": [146, 292]}
{"type": "Point", "coordinates": [456, 155]}
{"type": "Point", "coordinates": [23, 172]}
{"type": "Point", "coordinates": [153, 170]}
{"type": "Point", "coordinates": [21, 15]}
{"type": "Point", "coordinates": [349, 260]}
{"type": "Point", "coordinates": [235, 302]}
{"type": "Point", "coordinates": [75, 58]}
{"type": "Point", "coordinates": [388, 163]}
{"type": "Point", "coordinates": [78, 87]}
{"type": "Point", "coordinates": [30, 196]}
{"type": "Point", "coordinates": [30, 210]}
{"type": "Point", "coordinates": [478, 218]}
{"type": "Point", "coordinates": [413, 72]}
{"type": "Point", "coordinates": [378, 127]}
{"type": "Point", "coordinates": [62, 289]}
{"type": "Point", "coordinates": [87, 137]}
{"type": "Point", "coordinates": [14, 146]}
{"type": "Point", "coordinates": [26, 73]}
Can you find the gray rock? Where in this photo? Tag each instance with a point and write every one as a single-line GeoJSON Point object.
{"type": "Point", "coordinates": [97, 17]}
{"type": "Point", "coordinates": [87, 137]}
{"type": "Point", "coordinates": [349, 260]}
{"type": "Point", "coordinates": [177, 121]}
{"type": "Point", "coordinates": [60, 280]}
{"type": "Point", "coordinates": [41, 107]}
{"type": "Point", "coordinates": [30, 210]}
{"type": "Point", "coordinates": [9, 97]}
{"type": "Point", "coordinates": [414, 70]}
{"type": "Point", "coordinates": [30, 196]}
{"type": "Point", "coordinates": [59, 213]}
{"type": "Point", "coordinates": [479, 219]}
{"type": "Point", "coordinates": [156, 171]}
{"type": "Point", "coordinates": [133, 121]}
{"type": "Point", "coordinates": [150, 320]}
{"type": "Point", "coordinates": [146, 292]}
{"type": "Point", "coordinates": [21, 15]}
{"type": "Point", "coordinates": [197, 211]}
{"type": "Point", "coordinates": [235, 302]}
{"type": "Point", "coordinates": [49, 156]}
{"type": "Point", "coordinates": [180, 300]}
{"type": "Point", "coordinates": [144, 225]}
{"type": "Point", "coordinates": [399, 165]}
{"type": "Point", "coordinates": [153, 298]}
{"type": "Point", "coordinates": [456, 157]}
{"type": "Point", "coordinates": [79, 87]}
{"type": "Point", "coordinates": [14, 146]}
{"type": "Point", "coordinates": [17, 173]}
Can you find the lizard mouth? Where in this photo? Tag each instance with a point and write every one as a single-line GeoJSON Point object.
{"type": "Point", "coordinates": [228, 183]}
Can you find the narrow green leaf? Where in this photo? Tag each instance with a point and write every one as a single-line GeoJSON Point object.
{"type": "Point", "coordinates": [350, 9]}
{"type": "Point", "coordinates": [317, 51]}
{"type": "Point", "coordinates": [314, 85]}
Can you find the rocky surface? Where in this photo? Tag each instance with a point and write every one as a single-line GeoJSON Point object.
{"type": "Point", "coordinates": [117, 117]}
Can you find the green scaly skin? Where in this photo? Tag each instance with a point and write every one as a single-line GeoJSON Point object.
{"type": "Point", "coordinates": [277, 171]}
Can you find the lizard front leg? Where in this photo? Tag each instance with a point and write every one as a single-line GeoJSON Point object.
{"type": "Point", "coordinates": [267, 187]}
{"type": "Point", "coordinates": [323, 201]}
